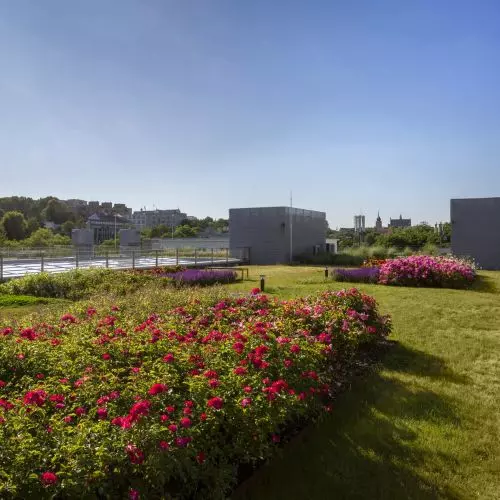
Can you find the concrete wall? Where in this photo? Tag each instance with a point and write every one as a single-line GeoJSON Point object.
{"type": "Point", "coordinates": [266, 232]}
{"type": "Point", "coordinates": [130, 238]}
{"type": "Point", "coordinates": [475, 230]}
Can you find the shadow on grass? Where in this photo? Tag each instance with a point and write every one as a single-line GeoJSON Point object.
{"type": "Point", "coordinates": [368, 447]}
{"type": "Point", "coordinates": [484, 284]}
{"type": "Point", "coordinates": [403, 359]}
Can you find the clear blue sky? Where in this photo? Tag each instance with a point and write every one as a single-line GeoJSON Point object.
{"type": "Point", "coordinates": [210, 104]}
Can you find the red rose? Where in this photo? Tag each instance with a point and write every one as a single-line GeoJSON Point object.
{"type": "Point", "coordinates": [185, 422]}
{"type": "Point", "coordinates": [157, 389]}
{"type": "Point", "coordinates": [135, 455]}
{"type": "Point", "coordinates": [168, 358]}
{"type": "Point", "coordinates": [48, 478]}
{"type": "Point", "coordinates": [102, 413]}
{"type": "Point", "coordinates": [215, 402]}
{"type": "Point", "coordinates": [246, 402]}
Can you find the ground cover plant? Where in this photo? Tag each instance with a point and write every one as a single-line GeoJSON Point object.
{"type": "Point", "coordinates": [358, 275]}
{"type": "Point", "coordinates": [108, 403]}
{"type": "Point", "coordinates": [415, 270]}
{"type": "Point", "coordinates": [202, 277]}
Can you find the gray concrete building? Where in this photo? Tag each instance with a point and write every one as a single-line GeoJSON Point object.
{"type": "Point", "coordinates": [475, 230]}
{"type": "Point", "coordinates": [265, 232]}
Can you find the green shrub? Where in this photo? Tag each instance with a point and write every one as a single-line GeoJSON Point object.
{"type": "Point", "coordinates": [76, 284]}
{"type": "Point", "coordinates": [330, 259]}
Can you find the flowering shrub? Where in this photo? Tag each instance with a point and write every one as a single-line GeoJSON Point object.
{"type": "Point", "coordinates": [424, 270]}
{"type": "Point", "coordinates": [415, 270]}
{"type": "Point", "coordinates": [359, 275]}
{"type": "Point", "coordinates": [106, 404]}
{"type": "Point", "coordinates": [202, 277]}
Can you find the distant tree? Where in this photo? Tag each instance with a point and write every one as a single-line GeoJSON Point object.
{"type": "Point", "coordinates": [185, 231]}
{"type": "Point", "coordinates": [446, 232]}
{"type": "Point", "coordinates": [67, 227]}
{"type": "Point", "coordinates": [32, 225]}
{"type": "Point", "coordinates": [40, 238]}
{"type": "Point", "coordinates": [14, 225]}
{"type": "Point", "coordinates": [160, 231]}
{"type": "Point", "coordinates": [57, 212]}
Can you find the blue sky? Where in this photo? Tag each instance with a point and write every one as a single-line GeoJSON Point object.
{"type": "Point", "coordinates": [210, 104]}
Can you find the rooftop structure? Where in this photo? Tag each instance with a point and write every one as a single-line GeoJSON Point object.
{"type": "Point", "coordinates": [276, 235]}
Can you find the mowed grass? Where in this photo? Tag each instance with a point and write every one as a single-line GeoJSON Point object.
{"type": "Point", "coordinates": [422, 424]}
{"type": "Point", "coordinates": [425, 424]}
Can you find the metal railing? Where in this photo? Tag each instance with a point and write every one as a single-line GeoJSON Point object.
{"type": "Point", "coordinates": [21, 264]}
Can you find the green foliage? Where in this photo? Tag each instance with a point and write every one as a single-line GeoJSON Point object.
{"type": "Point", "coordinates": [21, 300]}
{"type": "Point", "coordinates": [185, 231]}
{"type": "Point", "coordinates": [14, 225]}
{"type": "Point", "coordinates": [329, 259]}
{"type": "Point", "coordinates": [32, 225]}
{"type": "Point", "coordinates": [57, 212]}
{"type": "Point", "coordinates": [87, 400]}
{"type": "Point", "coordinates": [67, 227]}
{"type": "Point", "coordinates": [76, 284]}
{"type": "Point", "coordinates": [415, 237]}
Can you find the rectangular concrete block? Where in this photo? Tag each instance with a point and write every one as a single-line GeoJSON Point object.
{"type": "Point", "coordinates": [265, 232]}
{"type": "Point", "coordinates": [475, 230]}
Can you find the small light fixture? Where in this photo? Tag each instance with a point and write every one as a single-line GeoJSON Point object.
{"type": "Point", "coordinates": [326, 272]}
{"type": "Point", "coordinates": [262, 282]}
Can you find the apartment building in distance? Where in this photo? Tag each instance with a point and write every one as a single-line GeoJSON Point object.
{"type": "Point", "coordinates": [145, 219]}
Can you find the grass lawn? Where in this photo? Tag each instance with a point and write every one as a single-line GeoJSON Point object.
{"type": "Point", "coordinates": [425, 424]}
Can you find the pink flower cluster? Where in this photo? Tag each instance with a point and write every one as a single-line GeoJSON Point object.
{"type": "Point", "coordinates": [425, 270]}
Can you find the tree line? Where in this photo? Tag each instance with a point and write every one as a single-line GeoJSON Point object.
{"type": "Point", "coordinates": [415, 237]}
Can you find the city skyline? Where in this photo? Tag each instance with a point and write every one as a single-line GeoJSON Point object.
{"type": "Point", "coordinates": [209, 106]}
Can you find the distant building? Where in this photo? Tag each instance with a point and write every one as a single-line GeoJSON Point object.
{"type": "Point", "coordinates": [106, 205]}
{"type": "Point", "coordinates": [359, 223]}
{"type": "Point", "coordinates": [475, 230]}
{"type": "Point", "coordinates": [106, 227]}
{"type": "Point", "coordinates": [144, 219]}
{"type": "Point", "coordinates": [378, 224]}
{"type": "Point", "coordinates": [122, 209]}
{"type": "Point", "coordinates": [400, 222]}
{"type": "Point", "coordinates": [94, 206]}
{"type": "Point", "coordinates": [275, 235]}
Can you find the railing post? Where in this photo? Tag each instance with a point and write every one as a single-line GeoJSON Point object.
{"type": "Point", "coordinates": [1, 268]}
{"type": "Point", "coordinates": [176, 256]}
{"type": "Point", "coordinates": [156, 251]}
{"type": "Point", "coordinates": [195, 256]}
{"type": "Point", "coordinates": [76, 258]}
{"type": "Point", "coordinates": [133, 259]}
{"type": "Point", "coordinates": [42, 262]}
{"type": "Point", "coordinates": [227, 256]}
{"type": "Point", "coordinates": [107, 259]}
{"type": "Point", "coordinates": [212, 256]}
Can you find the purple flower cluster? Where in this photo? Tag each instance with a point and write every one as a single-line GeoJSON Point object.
{"type": "Point", "coordinates": [424, 270]}
{"type": "Point", "coordinates": [360, 275]}
{"type": "Point", "coordinates": [202, 277]}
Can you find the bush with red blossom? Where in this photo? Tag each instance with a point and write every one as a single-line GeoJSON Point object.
{"type": "Point", "coordinates": [136, 404]}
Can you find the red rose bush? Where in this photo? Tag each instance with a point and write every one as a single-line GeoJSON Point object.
{"type": "Point", "coordinates": [105, 404]}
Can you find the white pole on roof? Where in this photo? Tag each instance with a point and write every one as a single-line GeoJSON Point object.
{"type": "Point", "coordinates": [291, 230]}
